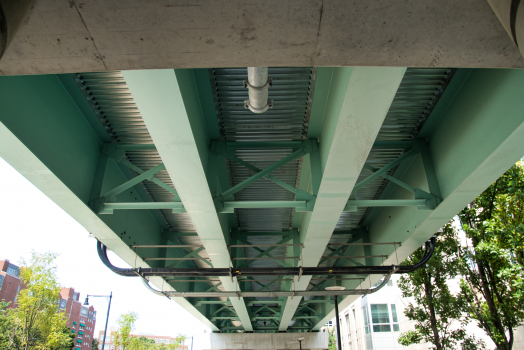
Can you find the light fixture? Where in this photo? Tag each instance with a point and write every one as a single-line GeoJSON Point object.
{"type": "Point", "coordinates": [336, 288]}
{"type": "Point", "coordinates": [300, 341]}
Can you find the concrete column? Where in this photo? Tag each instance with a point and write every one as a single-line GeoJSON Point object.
{"type": "Point", "coordinates": [12, 15]}
{"type": "Point", "coordinates": [266, 341]}
{"type": "Point", "coordinates": [511, 14]}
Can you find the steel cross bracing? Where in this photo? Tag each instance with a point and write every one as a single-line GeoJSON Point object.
{"type": "Point", "coordinates": [53, 130]}
{"type": "Point", "coordinates": [106, 204]}
{"type": "Point", "coordinates": [227, 150]}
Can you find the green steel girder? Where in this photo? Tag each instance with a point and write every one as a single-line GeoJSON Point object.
{"type": "Point", "coordinates": [382, 171]}
{"type": "Point", "coordinates": [50, 134]}
{"type": "Point", "coordinates": [256, 302]}
{"type": "Point", "coordinates": [221, 148]}
{"type": "Point", "coordinates": [470, 145]}
{"type": "Point", "coordinates": [307, 147]}
{"type": "Point", "coordinates": [266, 251]}
{"type": "Point", "coordinates": [265, 307]}
{"type": "Point", "coordinates": [344, 98]}
{"type": "Point", "coordinates": [172, 104]}
{"type": "Point", "coordinates": [147, 175]}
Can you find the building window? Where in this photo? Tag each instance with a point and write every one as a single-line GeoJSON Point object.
{"type": "Point", "coordinates": [17, 291]}
{"type": "Point", "coordinates": [12, 271]}
{"type": "Point", "coordinates": [368, 338]}
{"type": "Point", "coordinates": [380, 318]}
{"type": "Point", "coordinates": [396, 327]}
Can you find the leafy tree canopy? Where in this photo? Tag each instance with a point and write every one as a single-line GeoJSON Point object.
{"type": "Point", "coordinates": [36, 322]}
{"type": "Point", "coordinates": [492, 264]}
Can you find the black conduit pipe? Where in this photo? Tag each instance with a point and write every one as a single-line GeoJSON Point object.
{"type": "Point", "coordinates": [278, 271]}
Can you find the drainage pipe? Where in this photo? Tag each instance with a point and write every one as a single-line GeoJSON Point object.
{"type": "Point", "coordinates": [278, 271]}
{"type": "Point", "coordinates": [258, 83]}
{"type": "Point", "coordinates": [273, 294]}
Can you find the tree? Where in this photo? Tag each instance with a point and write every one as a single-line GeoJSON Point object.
{"type": "Point", "coordinates": [332, 340]}
{"type": "Point", "coordinates": [66, 345]}
{"type": "Point", "coordinates": [6, 325]}
{"type": "Point", "coordinates": [435, 309]}
{"type": "Point", "coordinates": [94, 344]}
{"type": "Point", "coordinates": [37, 322]}
{"type": "Point", "coordinates": [492, 261]}
{"type": "Point", "coordinates": [123, 338]}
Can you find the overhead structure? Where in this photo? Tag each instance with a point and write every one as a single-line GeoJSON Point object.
{"type": "Point", "coordinates": [243, 218]}
{"type": "Point", "coordinates": [107, 36]}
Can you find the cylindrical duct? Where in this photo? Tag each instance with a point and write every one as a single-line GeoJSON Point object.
{"type": "Point", "coordinates": [511, 14]}
{"type": "Point", "coordinates": [12, 14]}
{"type": "Point", "coordinates": [258, 84]}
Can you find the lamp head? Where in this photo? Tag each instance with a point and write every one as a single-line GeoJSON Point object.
{"type": "Point", "coordinates": [336, 288]}
{"type": "Point", "coordinates": [300, 339]}
{"type": "Point", "coordinates": [86, 303]}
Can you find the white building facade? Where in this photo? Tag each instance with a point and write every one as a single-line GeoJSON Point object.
{"type": "Point", "coordinates": [375, 322]}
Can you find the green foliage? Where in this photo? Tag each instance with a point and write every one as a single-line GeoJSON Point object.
{"type": "Point", "coordinates": [124, 338]}
{"type": "Point", "coordinates": [94, 344]}
{"type": "Point", "coordinates": [472, 343]}
{"type": "Point", "coordinates": [66, 345]}
{"type": "Point", "coordinates": [6, 325]}
{"type": "Point", "coordinates": [492, 262]}
{"type": "Point", "coordinates": [435, 309]}
{"type": "Point", "coordinates": [37, 322]}
{"type": "Point", "coordinates": [332, 340]}
{"type": "Point", "coordinates": [145, 340]}
{"type": "Point", "coordinates": [409, 337]}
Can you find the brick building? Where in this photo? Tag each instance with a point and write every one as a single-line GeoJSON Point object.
{"type": "Point", "coordinates": [9, 282]}
{"type": "Point", "coordinates": [159, 339]}
{"type": "Point", "coordinates": [81, 319]}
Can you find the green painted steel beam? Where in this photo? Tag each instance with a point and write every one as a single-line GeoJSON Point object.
{"type": "Point", "coordinates": [382, 171]}
{"type": "Point", "coordinates": [174, 235]}
{"type": "Point", "coordinates": [128, 184]}
{"type": "Point", "coordinates": [261, 302]}
{"type": "Point", "coordinates": [172, 109]}
{"type": "Point", "coordinates": [348, 109]}
{"type": "Point", "coordinates": [474, 135]}
{"type": "Point", "coordinates": [391, 178]}
{"type": "Point", "coordinates": [230, 206]}
{"type": "Point", "coordinates": [47, 133]}
{"type": "Point", "coordinates": [109, 207]}
{"type": "Point", "coordinates": [178, 207]}
{"type": "Point", "coordinates": [384, 203]}
{"type": "Point", "coordinates": [212, 302]}
{"type": "Point", "coordinates": [308, 146]}
{"type": "Point", "coordinates": [305, 302]}
{"type": "Point", "coordinates": [268, 145]}
{"type": "Point", "coordinates": [154, 179]}
{"type": "Point", "coordinates": [263, 145]}
{"type": "Point", "coordinates": [144, 147]}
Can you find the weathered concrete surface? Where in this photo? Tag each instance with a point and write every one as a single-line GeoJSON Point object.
{"type": "Point", "coordinates": [76, 36]}
{"type": "Point", "coordinates": [263, 341]}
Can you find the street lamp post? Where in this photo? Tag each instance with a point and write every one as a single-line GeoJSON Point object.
{"type": "Point", "coordinates": [300, 341]}
{"type": "Point", "coordinates": [108, 308]}
{"type": "Point", "coordinates": [339, 342]}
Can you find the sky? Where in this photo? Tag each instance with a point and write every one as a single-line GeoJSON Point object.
{"type": "Point", "coordinates": [30, 221]}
